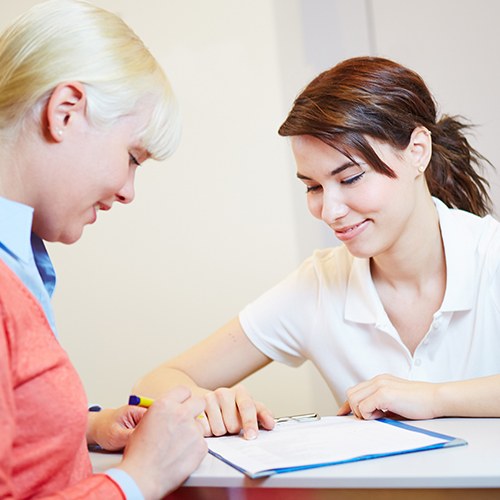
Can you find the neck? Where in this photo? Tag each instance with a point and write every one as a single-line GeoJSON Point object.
{"type": "Point", "coordinates": [418, 257]}
{"type": "Point", "coordinates": [15, 177]}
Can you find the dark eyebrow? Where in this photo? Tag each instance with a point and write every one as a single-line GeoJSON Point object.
{"type": "Point", "coordinates": [342, 167]}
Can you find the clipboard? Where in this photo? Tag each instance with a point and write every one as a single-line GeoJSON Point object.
{"type": "Point", "coordinates": [311, 443]}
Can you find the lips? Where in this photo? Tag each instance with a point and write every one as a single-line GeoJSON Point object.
{"type": "Point", "coordinates": [348, 232]}
{"type": "Point", "coordinates": [101, 206]}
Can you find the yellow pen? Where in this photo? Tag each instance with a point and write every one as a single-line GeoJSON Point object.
{"type": "Point", "coordinates": [147, 402]}
{"type": "Point", "coordinates": [140, 401]}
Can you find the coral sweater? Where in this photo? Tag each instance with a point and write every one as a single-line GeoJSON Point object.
{"type": "Point", "coordinates": [43, 411]}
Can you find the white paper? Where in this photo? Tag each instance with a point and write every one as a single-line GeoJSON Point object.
{"type": "Point", "coordinates": [329, 440]}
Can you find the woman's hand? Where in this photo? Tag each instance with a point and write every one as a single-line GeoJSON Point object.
{"type": "Point", "coordinates": [167, 444]}
{"type": "Point", "coordinates": [386, 394]}
{"type": "Point", "coordinates": [228, 411]}
{"type": "Point", "coordinates": [111, 428]}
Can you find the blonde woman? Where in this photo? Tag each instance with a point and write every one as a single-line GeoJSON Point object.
{"type": "Point", "coordinates": [82, 104]}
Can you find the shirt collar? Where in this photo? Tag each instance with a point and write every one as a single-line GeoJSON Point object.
{"type": "Point", "coordinates": [15, 228]}
{"type": "Point", "coordinates": [459, 249]}
{"type": "Point", "coordinates": [363, 304]}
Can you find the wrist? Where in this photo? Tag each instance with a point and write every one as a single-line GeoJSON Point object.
{"type": "Point", "coordinates": [143, 484]}
{"type": "Point", "coordinates": [443, 398]}
{"type": "Point", "coordinates": [92, 417]}
{"type": "Point", "coordinates": [126, 483]}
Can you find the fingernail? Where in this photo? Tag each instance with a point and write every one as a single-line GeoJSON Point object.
{"type": "Point", "coordinates": [250, 434]}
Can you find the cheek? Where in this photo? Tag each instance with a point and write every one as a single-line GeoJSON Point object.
{"type": "Point", "coordinates": [315, 204]}
{"type": "Point", "coordinates": [119, 174]}
{"type": "Point", "coordinates": [372, 197]}
{"type": "Point", "coordinates": [369, 201]}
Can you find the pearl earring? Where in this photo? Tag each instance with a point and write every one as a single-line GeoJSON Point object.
{"type": "Point", "coordinates": [421, 169]}
{"type": "Point", "coordinates": [59, 132]}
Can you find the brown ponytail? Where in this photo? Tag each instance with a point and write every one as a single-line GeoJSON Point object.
{"type": "Point", "coordinates": [376, 97]}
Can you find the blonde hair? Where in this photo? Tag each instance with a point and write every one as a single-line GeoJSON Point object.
{"type": "Point", "coordinates": [72, 40]}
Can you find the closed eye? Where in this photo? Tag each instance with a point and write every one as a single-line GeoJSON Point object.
{"type": "Point", "coordinates": [312, 189]}
{"type": "Point", "coordinates": [353, 179]}
{"type": "Point", "coordinates": [133, 159]}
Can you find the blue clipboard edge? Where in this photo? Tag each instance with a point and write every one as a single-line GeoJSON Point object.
{"type": "Point", "coordinates": [405, 425]}
{"type": "Point", "coordinates": [450, 442]}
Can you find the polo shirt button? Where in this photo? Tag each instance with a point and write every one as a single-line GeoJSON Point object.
{"type": "Point", "coordinates": [435, 325]}
{"type": "Point", "coordinates": [418, 362]}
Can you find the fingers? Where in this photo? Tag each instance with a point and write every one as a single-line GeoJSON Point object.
{"type": "Point", "coordinates": [213, 412]}
{"type": "Point", "coordinates": [233, 410]}
{"type": "Point", "coordinates": [368, 400]}
{"type": "Point", "coordinates": [248, 413]}
{"type": "Point", "coordinates": [265, 417]}
{"type": "Point", "coordinates": [344, 409]}
{"type": "Point", "coordinates": [359, 400]}
{"type": "Point", "coordinates": [384, 395]}
{"type": "Point", "coordinates": [132, 415]}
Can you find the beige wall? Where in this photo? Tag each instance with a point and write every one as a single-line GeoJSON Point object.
{"type": "Point", "coordinates": [224, 219]}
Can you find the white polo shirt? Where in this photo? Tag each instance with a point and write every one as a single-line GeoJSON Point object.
{"type": "Point", "coordinates": [328, 311]}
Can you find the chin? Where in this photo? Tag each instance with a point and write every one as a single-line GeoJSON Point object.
{"type": "Point", "coordinates": [68, 238]}
{"type": "Point", "coordinates": [360, 253]}
{"type": "Point", "coordinates": [54, 233]}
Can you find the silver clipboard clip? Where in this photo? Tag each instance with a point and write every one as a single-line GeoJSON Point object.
{"type": "Point", "coordinates": [305, 417]}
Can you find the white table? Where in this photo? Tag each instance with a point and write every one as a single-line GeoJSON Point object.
{"type": "Point", "coordinates": [472, 470]}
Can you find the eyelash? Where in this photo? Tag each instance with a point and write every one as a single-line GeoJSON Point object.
{"type": "Point", "coordinates": [134, 160]}
{"type": "Point", "coordinates": [353, 179]}
{"type": "Point", "coordinates": [348, 182]}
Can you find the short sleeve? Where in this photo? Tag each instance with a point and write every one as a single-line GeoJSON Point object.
{"type": "Point", "coordinates": [278, 321]}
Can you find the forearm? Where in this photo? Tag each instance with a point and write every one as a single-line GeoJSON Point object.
{"type": "Point", "coordinates": [221, 360]}
{"type": "Point", "coordinates": [479, 397]}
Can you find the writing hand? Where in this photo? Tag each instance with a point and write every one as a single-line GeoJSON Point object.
{"type": "Point", "coordinates": [167, 444]}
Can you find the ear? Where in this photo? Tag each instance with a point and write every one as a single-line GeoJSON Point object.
{"type": "Point", "coordinates": [67, 101]}
{"type": "Point", "coordinates": [419, 149]}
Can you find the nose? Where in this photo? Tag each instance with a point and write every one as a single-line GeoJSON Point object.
{"type": "Point", "coordinates": [333, 208]}
{"type": "Point", "coordinates": [126, 194]}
